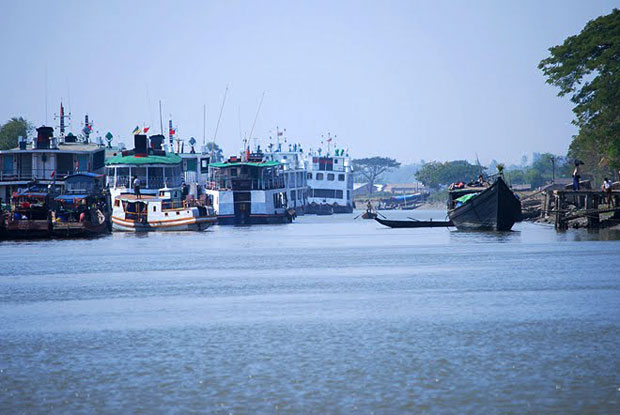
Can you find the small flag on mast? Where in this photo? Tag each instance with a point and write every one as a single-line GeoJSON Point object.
{"type": "Point", "coordinates": [136, 130]}
{"type": "Point", "coordinates": [146, 129]}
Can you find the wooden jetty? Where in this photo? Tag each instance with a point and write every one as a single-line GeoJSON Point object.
{"type": "Point", "coordinates": [586, 203]}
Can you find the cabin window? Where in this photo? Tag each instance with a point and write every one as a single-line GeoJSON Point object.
{"type": "Point", "coordinates": [324, 193]}
{"type": "Point", "coordinates": [338, 194]}
{"type": "Point", "coordinates": [319, 176]}
{"type": "Point", "coordinates": [166, 213]}
{"type": "Point", "coordinates": [309, 175]}
{"type": "Point", "coordinates": [178, 213]}
{"type": "Point", "coordinates": [233, 172]}
{"type": "Point", "coordinates": [348, 195]}
{"type": "Point", "coordinates": [341, 177]}
{"type": "Point", "coordinates": [154, 208]}
{"type": "Point", "coordinates": [117, 203]}
{"type": "Point", "coordinates": [330, 177]}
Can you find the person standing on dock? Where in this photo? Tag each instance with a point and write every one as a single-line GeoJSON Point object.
{"type": "Point", "coordinates": [607, 189]}
{"type": "Point", "coordinates": [577, 174]}
{"type": "Point", "coordinates": [136, 187]}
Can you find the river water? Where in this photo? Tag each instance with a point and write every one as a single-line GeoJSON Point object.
{"type": "Point", "coordinates": [325, 315]}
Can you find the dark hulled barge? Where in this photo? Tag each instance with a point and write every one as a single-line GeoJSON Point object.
{"type": "Point", "coordinates": [494, 208]}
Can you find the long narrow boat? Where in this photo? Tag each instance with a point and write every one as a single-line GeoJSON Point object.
{"type": "Point", "coordinates": [494, 208]}
{"type": "Point", "coordinates": [414, 223]}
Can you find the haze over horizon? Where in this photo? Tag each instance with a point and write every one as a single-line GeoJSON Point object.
{"type": "Point", "coordinates": [409, 80]}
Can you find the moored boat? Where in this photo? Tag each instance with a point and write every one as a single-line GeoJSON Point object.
{"type": "Point", "coordinates": [83, 208]}
{"type": "Point", "coordinates": [330, 181]}
{"type": "Point", "coordinates": [165, 211]}
{"type": "Point", "coordinates": [249, 190]}
{"type": "Point", "coordinates": [158, 199]}
{"type": "Point", "coordinates": [494, 207]}
{"type": "Point", "coordinates": [30, 215]}
{"type": "Point", "coordinates": [414, 223]}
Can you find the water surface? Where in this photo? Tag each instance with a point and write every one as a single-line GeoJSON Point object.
{"type": "Point", "coordinates": [328, 314]}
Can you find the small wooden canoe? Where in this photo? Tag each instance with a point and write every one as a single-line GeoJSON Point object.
{"type": "Point", "coordinates": [414, 223]}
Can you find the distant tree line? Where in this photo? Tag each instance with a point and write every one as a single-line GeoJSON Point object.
{"type": "Point", "coordinates": [543, 170]}
{"type": "Point", "coordinates": [435, 173]}
{"type": "Point", "coordinates": [11, 130]}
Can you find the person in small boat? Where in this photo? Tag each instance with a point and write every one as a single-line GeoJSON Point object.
{"type": "Point", "coordinates": [480, 182]}
{"type": "Point", "coordinates": [136, 187]}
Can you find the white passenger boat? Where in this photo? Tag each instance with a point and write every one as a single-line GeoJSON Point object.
{"type": "Point", "coordinates": [294, 170]}
{"type": "Point", "coordinates": [330, 182]}
{"type": "Point", "coordinates": [165, 211]}
{"type": "Point", "coordinates": [163, 202]}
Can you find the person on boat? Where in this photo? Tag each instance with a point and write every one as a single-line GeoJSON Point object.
{"type": "Point", "coordinates": [480, 182]}
{"type": "Point", "coordinates": [136, 187]}
{"type": "Point", "coordinates": [577, 174]}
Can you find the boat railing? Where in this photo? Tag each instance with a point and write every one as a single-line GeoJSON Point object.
{"type": "Point", "coordinates": [34, 174]}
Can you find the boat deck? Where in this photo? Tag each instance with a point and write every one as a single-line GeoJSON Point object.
{"type": "Point", "coordinates": [131, 196]}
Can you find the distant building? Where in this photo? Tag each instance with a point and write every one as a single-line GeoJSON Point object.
{"type": "Point", "coordinates": [363, 189]}
{"type": "Point", "coordinates": [46, 160]}
{"type": "Point", "coordinates": [400, 188]}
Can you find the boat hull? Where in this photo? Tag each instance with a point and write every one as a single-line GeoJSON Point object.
{"type": "Point", "coordinates": [414, 223]}
{"type": "Point", "coordinates": [496, 209]}
{"type": "Point", "coordinates": [77, 229]}
{"type": "Point", "coordinates": [253, 219]}
{"type": "Point", "coordinates": [321, 210]}
{"type": "Point", "coordinates": [185, 224]}
{"type": "Point", "coordinates": [26, 229]}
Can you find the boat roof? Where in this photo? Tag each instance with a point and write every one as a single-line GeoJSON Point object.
{"type": "Point", "coordinates": [30, 193]}
{"type": "Point", "coordinates": [248, 163]}
{"type": "Point", "coordinates": [70, 197]}
{"type": "Point", "coordinates": [86, 174]}
{"type": "Point", "coordinates": [169, 158]}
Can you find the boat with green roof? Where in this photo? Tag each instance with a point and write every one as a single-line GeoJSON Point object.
{"type": "Point", "coordinates": [249, 190]}
{"type": "Point", "coordinates": [149, 193]}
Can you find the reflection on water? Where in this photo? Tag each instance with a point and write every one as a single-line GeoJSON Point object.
{"type": "Point", "coordinates": [328, 314]}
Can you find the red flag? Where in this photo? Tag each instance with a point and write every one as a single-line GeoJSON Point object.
{"type": "Point", "coordinates": [247, 153]}
{"type": "Point", "coordinates": [172, 131]}
{"type": "Point", "coordinates": [145, 129]}
{"type": "Point", "coordinates": [53, 174]}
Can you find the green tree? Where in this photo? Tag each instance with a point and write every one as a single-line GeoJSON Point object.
{"type": "Point", "coordinates": [218, 155]}
{"type": "Point", "coordinates": [435, 174]}
{"type": "Point", "coordinates": [372, 168]}
{"type": "Point", "coordinates": [587, 66]}
{"type": "Point", "coordinates": [13, 129]}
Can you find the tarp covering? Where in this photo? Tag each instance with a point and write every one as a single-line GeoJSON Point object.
{"type": "Point", "coordinates": [70, 198]}
{"type": "Point", "coordinates": [407, 197]}
{"type": "Point", "coordinates": [169, 158]}
{"type": "Point", "coordinates": [464, 199]}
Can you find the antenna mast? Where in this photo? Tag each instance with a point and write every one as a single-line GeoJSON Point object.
{"type": "Point", "coordinates": [217, 126]}
{"type": "Point", "coordinates": [204, 125]}
{"type": "Point", "coordinates": [161, 122]}
{"type": "Point", "coordinates": [256, 117]}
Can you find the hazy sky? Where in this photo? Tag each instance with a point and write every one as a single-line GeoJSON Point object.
{"type": "Point", "coordinates": [433, 80]}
